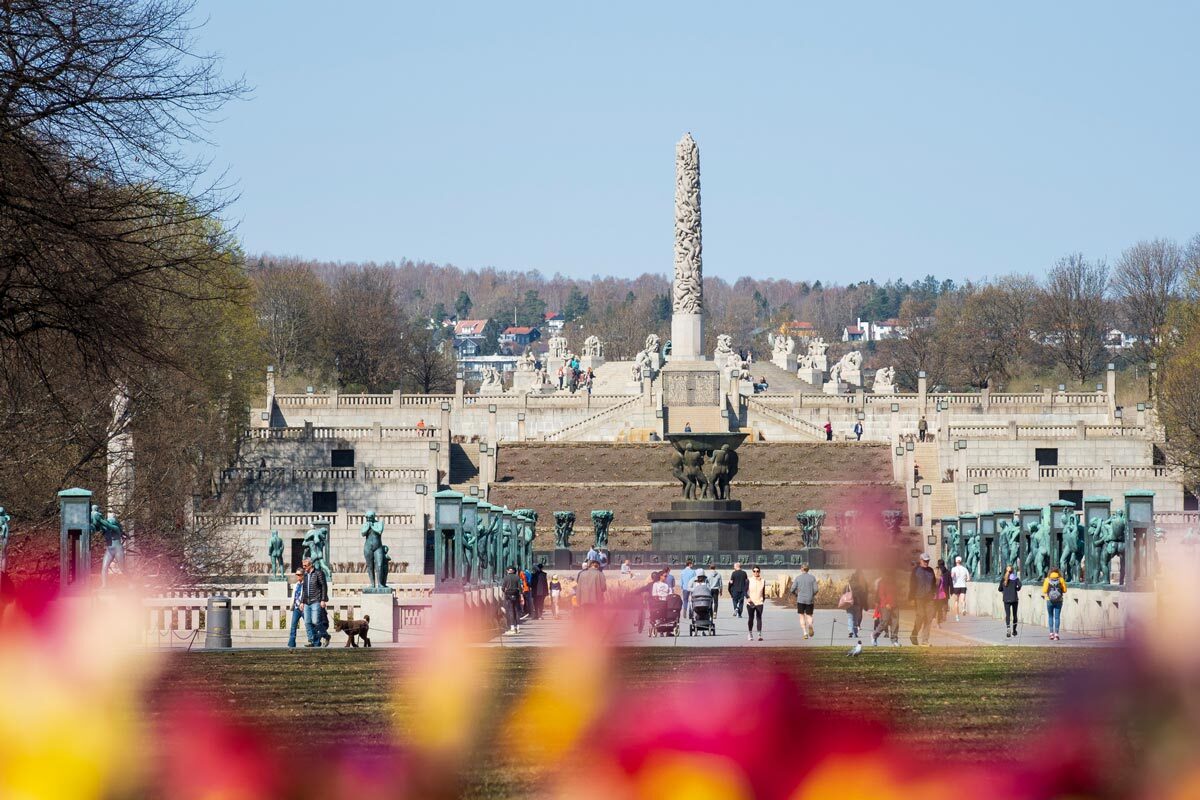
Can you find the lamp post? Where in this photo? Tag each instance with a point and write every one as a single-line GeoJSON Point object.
{"type": "Point", "coordinates": [75, 538]}
{"type": "Point", "coordinates": [447, 541]}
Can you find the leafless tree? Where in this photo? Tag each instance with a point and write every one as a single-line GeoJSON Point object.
{"type": "Point", "coordinates": [1146, 281]}
{"type": "Point", "coordinates": [1073, 312]}
{"type": "Point", "coordinates": [428, 362]}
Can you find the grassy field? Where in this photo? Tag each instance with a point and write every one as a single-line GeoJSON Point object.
{"type": "Point", "coordinates": [960, 698]}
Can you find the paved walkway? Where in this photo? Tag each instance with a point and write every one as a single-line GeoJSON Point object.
{"type": "Point", "coordinates": [781, 627]}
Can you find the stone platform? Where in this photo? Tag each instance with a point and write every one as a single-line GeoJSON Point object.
{"type": "Point", "coordinates": [706, 525]}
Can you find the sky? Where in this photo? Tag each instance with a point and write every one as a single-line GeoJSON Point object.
{"type": "Point", "coordinates": [838, 141]}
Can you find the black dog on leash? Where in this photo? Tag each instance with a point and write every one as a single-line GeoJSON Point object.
{"type": "Point", "coordinates": [353, 628]}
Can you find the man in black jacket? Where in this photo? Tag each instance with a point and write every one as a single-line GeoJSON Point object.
{"type": "Point", "coordinates": [539, 588]}
{"type": "Point", "coordinates": [922, 586]}
{"type": "Point", "coordinates": [314, 594]}
{"type": "Point", "coordinates": [739, 584]}
{"type": "Point", "coordinates": [510, 587]}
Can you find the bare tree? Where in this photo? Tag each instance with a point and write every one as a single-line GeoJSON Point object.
{"type": "Point", "coordinates": [1073, 312]}
{"type": "Point", "coordinates": [428, 365]}
{"type": "Point", "coordinates": [290, 302]}
{"type": "Point", "coordinates": [1146, 281]}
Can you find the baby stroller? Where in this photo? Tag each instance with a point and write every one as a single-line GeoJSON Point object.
{"type": "Point", "coordinates": [701, 616]}
{"type": "Point", "coordinates": [664, 619]}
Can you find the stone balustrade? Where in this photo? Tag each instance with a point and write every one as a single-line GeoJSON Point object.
{"type": "Point", "coordinates": [1034, 472]}
{"type": "Point", "coordinates": [353, 432]}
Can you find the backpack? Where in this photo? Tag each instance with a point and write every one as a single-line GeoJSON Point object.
{"type": "Point", "coordinates": [1055, 595]}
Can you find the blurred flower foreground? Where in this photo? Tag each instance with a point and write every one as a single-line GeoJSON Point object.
{"type": "Point", "coordinates": [75, 723]}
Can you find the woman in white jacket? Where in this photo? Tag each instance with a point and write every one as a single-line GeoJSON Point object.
{"type": "Point", "coordinates": [756, 598]}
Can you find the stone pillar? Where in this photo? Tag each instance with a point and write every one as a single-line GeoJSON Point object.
{"type": "Point", "coordinates": [687, 317]}
{"type": "Point", "coordinates": [926, 516]}
{"type": "Point", "coordinates": [270, 387]}
{"type": "Point", "coordinates": [484, 471]}
{"type": "Point", "coordinates": [431, 469]}
{"type": "Point", "coordinates": [459, 390]}
{"type": "Point", "coordinates": [520, 427]}
{"type": "Point", "coordinates": [922, 391]}
{"type": "Point", "coordinates": [492, 435]}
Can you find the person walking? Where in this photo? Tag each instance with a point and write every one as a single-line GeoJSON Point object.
{"type": "Point", "coordinates": [555, 593]}
{"type": "Point", "coordinates": [1054, 589]}
{"type": "Point", "coordinates": [857, 587]}
{"type": "Point", "coordinates": [297, 608]}
{"type": "Point", "coordinates": [922, 429]}
{"type": "Point", "coordinates": [805, 589]}
{"type": "Point", "coordinates": [714, 584]}
{"type": "Point", "coordinates": [828, 431]}
{"type": "Point", "coordinates": [756, 599]}
{"type": "Point", "coordinates": [510, 587]}
{"type": "Point", "coordinates": [526, 594]}
{"type": "Point", "coordinates": [739, 582]}
{"type": "Point", "coordinates": [858, 431]}
{"type": "Point", "coordinates": [315, 597]}
{"type": "Point", "coordinates": [591, 586]}
{"type": "Point", "coordinates": [1010, 588]}
{"type": "Point", "coordinates": [941, 598]}
{"type": "Point", "coordinates": [540, 589]}
{"type": "Point", "coordinates": [668, 578]}
{"type": "Point", "coordinates": [887, 611]}
{"type": "Point", "coordinates": [685, 581]}
{"type": "Point", "coordinates": [959, 576]}
{"type": "Point", "coordinates": [642, 598]}
{"type": "Point", "coordinates": [922, 584]}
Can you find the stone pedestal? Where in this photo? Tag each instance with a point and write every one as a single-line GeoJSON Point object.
{"type": "Point", "coordinates": [829, 387]}
{"type": "Point", "coordinates": [853, 377]}
{"type": "Point", "coordinates": [814, 377]}
{"type": "Point", "coordinates": [687, 337]}
{"type": "Point", "coordinates": [821, 363]}
{"type": "Point", "coordinates": [523, 382]}
{"type": "Point", "coordinates": [883, 388]}
{"type": "Point", "coordinates": [785, 361]}
{"type": "Point", "coordinates": [278, 588]}
{"type": "Point", "coordinates": [590, 362]}
{"type": "Point", "coordinates": [706, 525]}
{"type": "Point", "coordinates": [381, 607]}
{"type": "Point", "coordinates": [815, 557]}
{"type": "Point", "coordinates": [562, 559]}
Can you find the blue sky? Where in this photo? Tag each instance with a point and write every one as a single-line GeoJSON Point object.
{"type": "Point", "coordinates": [839, 141]}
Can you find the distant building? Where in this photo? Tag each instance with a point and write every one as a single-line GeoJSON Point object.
{"type": "Point", "coordinates": [516, 338]}
{"type": "Point", "coordinates": [469, 336]}
{"type": "Point", "coordinates": [805, 330]}
{"type": "Point", "coordinates": [554, 322]}
{"type": "Point", "coordinates": [865, 331]}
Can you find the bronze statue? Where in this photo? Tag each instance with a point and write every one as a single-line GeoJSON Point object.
{"type": "Point", "coordinates": [1071, 559]}
{"type": "Point", "coordinates": [693, 471]}
{"type": "Point", "coordinates": [372, 533]}
{"type": "Point", "coordinates": [564, 527]}
{"type": "Point", "coordinates": [275, 553]}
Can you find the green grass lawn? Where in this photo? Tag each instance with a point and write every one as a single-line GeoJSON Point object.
{"type": "Point", "coordinates": [960, 700]}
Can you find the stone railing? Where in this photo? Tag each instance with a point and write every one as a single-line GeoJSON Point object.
{"type": "Point", "coordinates": [356, 432]}
{"type": "Point", "coordinates": [1082, 472]}
{"type": "Point", "coordinates": [600, 416]}
{"type": "Point", "coordinates": [905, 399]}
{"type": "Point", "coordinates": [1189, 518]}
{"type": "Point", "coordinates": [172, 620]}
{"type": "Point", "coordinates": [358, 400]}
{"type": "Point", "coordinates": [801, 425]}
{"type": "Point", "coordinates": [289, 474]}
{"type": "Point", "coordinates": [1079, 431]}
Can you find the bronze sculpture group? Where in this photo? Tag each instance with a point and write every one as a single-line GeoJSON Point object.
{"type": "Point", "coordinates": [705, 483]}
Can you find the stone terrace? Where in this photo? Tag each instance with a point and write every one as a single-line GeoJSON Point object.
{"type": "Point", "coordinates": [632, 479]}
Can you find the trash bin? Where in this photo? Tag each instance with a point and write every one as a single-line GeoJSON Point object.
{"type": "Point", "coordinates": [218, 622]}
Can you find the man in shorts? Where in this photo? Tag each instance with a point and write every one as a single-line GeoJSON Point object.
{"type": "Point", "coordinates": [959, 575]}
{"type": "Point", "coordinates": [805, 589]}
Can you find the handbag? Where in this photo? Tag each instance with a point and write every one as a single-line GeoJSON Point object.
{"type": "Point", "coordinates": [846, 600]}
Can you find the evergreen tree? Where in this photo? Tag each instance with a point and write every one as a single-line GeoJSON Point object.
{"type": "Point", "coordinates": [462, 306]}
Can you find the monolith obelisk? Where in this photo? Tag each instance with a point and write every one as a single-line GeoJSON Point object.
{"type": "Point", "coordinates": [691, 384]}
{"type": "Point", "coordinates": [687, 317]}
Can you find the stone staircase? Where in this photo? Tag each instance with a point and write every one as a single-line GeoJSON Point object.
{"type": "Point", "coordinates": [779, 380]}
{"type": "Point", "coordinates": [945, 499]}
{"type": "Point", "coordinates": [464, 466]}
{"type": "Point", "coordinates": [756, 408]}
